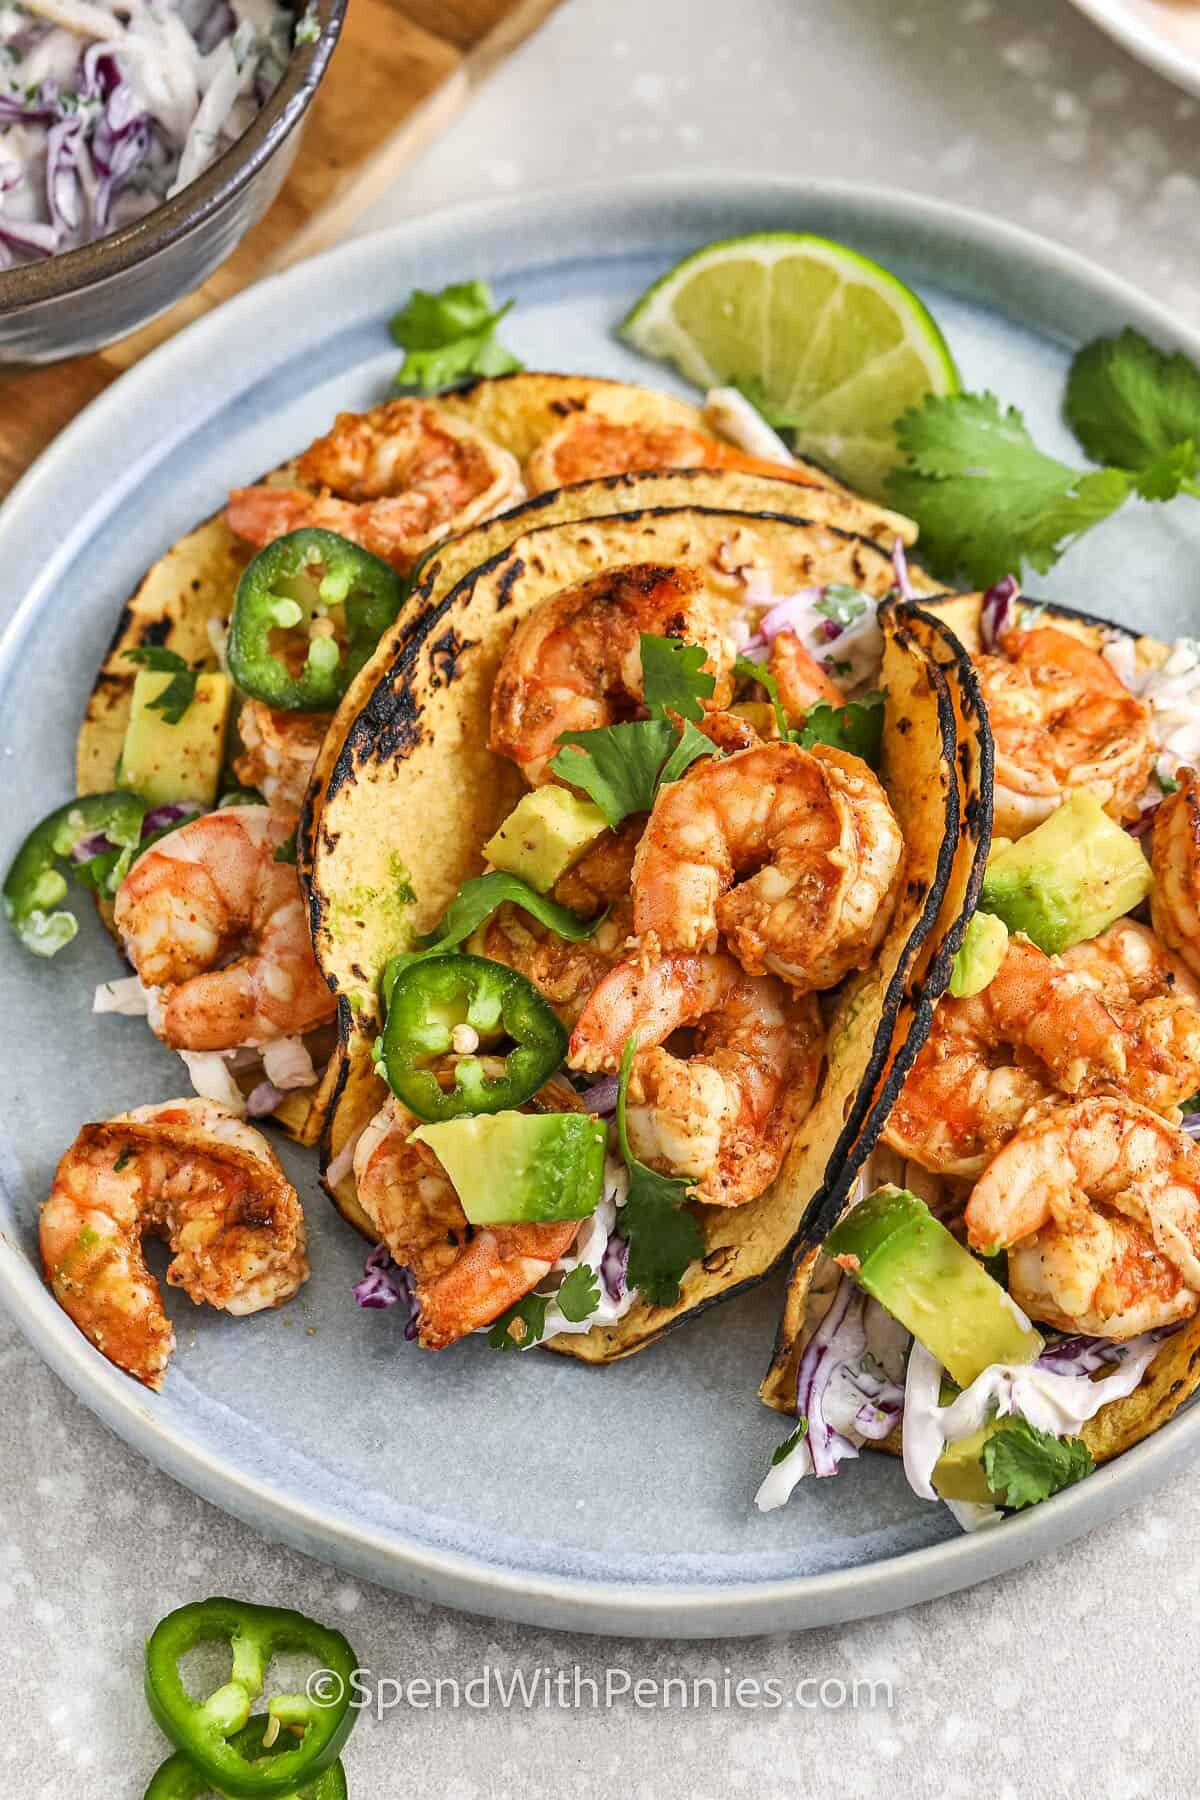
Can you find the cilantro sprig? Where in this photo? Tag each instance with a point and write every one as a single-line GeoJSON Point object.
{"type": "Point", "coordinates": [1023, 1465]}
{"type": "Point", "coordinates": [179, 692]}
{"type": "Point", "coordinates": [622, 767]}
{"type": "Point", "coordinates": [577, 1297]}
{"type": "Point", "coordinates": [989, 500]}
{"type": "Point", "coordinates": [663, 1239]}
{"type": "Point", "coordinates": [856, 727]}
{"type": "Point", "coordinates": [450, 335]}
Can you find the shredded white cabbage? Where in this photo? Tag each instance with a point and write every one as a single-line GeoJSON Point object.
{"type": "Point", "coordinates": [1172, 693]}
{"type": "Point", "coordinates": [589, 1248]}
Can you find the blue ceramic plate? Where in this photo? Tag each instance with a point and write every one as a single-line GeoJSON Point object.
{"type": "Point", "coordinates": [615, 1499]}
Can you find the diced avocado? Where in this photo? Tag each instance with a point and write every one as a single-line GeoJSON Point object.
{"type": "Point", "coordinates": [1068, 879]}
{"type": "Point", "coordinates": [514, 1168]}
{"type": "Point", "coordinates": [164, 762]}
{"type": "Point", "coordinates": [959, 1475]}
{"type": "Point", "coordinates": [979, 955]}
{"type": "Point", "coordinates": [546, 832]}
{"type": "Point", "coordinates": [896, 1250]}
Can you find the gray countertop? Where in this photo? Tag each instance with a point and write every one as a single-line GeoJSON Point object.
{"type": "Point", "coordinates": [1061, 1680]}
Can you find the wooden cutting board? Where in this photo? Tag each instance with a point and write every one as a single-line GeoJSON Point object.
{"type": "Point", "coordinates": [401, 73]}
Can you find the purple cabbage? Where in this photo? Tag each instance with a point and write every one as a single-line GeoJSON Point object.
{"type": "Point", "coordinates": [384, 1283]}
{"type": "Point", "coordinates": [262, 1100]}
{"type": "Point", "coordinates": [1080, 1355]}
{"type": "Point", "coordinates": [601, 1097]}
{"type": "Point", "coordinates": [822, 1355]}
{"type": "Point", "coordinates": [614, 1267]}
{"type": "Point", "coordinates": [172, 812]}
{"type": "Point", "coordinates": [996, 612]}
{"type": "Point", "coordinates": [837, 1353]}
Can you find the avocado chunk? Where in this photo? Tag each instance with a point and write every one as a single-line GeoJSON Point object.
{"type": "Point", "coordinates": [515, 1168]}
{"type": "Point", "coordinates": [1068, 879]}
{"type": "Point", "coordinates": [959, 1472]}
{"type": "Point", "coordinates": [895, 1249]}
{"type": "Point", "coordinates": [544, 835]}
{"type": "Point", "coordinates": [979, 955]}
{"type": "Point", "coordinates": [164, 762]}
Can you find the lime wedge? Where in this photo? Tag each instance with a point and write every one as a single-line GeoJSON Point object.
{"type": "Point", "coordinates": [829, 345]}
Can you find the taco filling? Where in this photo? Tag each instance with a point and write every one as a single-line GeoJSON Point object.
{"type": "Point", "coordinates": [1018, 1298]}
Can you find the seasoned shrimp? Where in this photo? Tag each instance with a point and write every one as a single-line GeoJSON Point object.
{"type": "Point", "coordinates": [575, 661]}
{"type": "Point", "coordinates": [213, 920]}
{"type": "Point", "coordinates": [1062, 720]}
{"type": "Point", "coordinates": [1098, 1205]}
{"type": "Point", "coordinates": [565, 973]}
{"type": "Point", "coordinates": [186, 1171]}
{"type": "Point", "coordinates": [395, 480]}
{"type": "Point", "coordinates": [466, 1276]}
{"type": "Point", "coordinates": [1045, 1026]}
{"type": "Point", "coordinates": [800, 679]}
{"type": "Point", "coordinates": [1175, 863]}
{"type": "Point", "coordinates": [724, 1116]}
{"type": "Point", "coordinates": [1128, 964]}
{"type": "Point", "coordinates": [279, 751]}
{"type": "Point", "coordinates": [814, 842]}
{"type": "Point", "coordinates": [589, 446]}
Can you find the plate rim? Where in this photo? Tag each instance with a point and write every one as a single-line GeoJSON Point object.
{"type": "Point", "coordinates": [399, 1559]}
{"type": "Point", "coordinates": [1143, 41]}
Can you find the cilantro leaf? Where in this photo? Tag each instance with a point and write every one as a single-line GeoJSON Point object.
{"type": "Point", "coordinates": [578, 1294]}
{"type": "Point", "coordinates": [617, 765]}
{"type": "Point", "coordinates": [692, 744]}
{"type": "Point", "coordinates": [449, 335]}
{"type": "Point", "coordinates": [789, 1443]}
{"type": "Point", "coordinates": [286, 853]}
{"type": "Point", "coordinates": [1023, 1465]}
{"type": "Point", "coordinates": [179, 692]}
{"type": "Point", "coordinates": [1134, 405]}
{"type": "Point", "coordinates": [856, 727]}
{"type": "Point", "coordinates": [663, 1239]}
{"type": "Point", "coordinates": [528, 1317]}
{"type": "Point", "coordinates": [674, 678]}
{"type": "Point", "coordinates": [1169, 474]}
{"type": "Point", "coordinates": [842, 604]}
{"type": "Point", "coordinates": [986, 498]}
{"type": "Point", "coordinates": [478, 898]}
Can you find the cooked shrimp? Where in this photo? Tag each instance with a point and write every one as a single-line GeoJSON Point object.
{"type": "Point", "coordinates": [1040, 1029]}
{"type": "Point", "coordinates": [801, 680]}
{"type": "Point", "coordinates": [575, 661]}
{"type": "Point", "coordinates": [1062, 721]}
{"type": "Point", "coordinates": [589, 446]}
{"type": "Point", "coordinates": [724, 1117]}
{"type": "Point", "coordinates": [1175, 863]}
{"type": "Point", "coordinates": [565, 973]}
{"type": "Point", "coordinates": [814, 841]}
{"type": "Point", "coordinates": [279, 751]}
{"type": "Point", "coordinates": [395, 479]}
{"type": "Point", "coordinates": [186, 1171]}
{"type": "Point", "coordinates": [1098, 1205]}
{"type": "Point", "coordinates": [466, 1276]}
{"type": "Point", "coordinates": [1129, 964]}
{"type": "Point", "coordinates": [213, 920]}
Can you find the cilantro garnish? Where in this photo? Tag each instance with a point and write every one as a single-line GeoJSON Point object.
{"type": "Point", "coordinates": [986, 498]}
{"type": "Point", "coordinates": [578, 1294]}
{"type": "Point", "coordinates": [1023, 1465]}
{"type": "Point", "coordinates": [789, 1443]}
{"type": "Point", "coordinates": [479, 897]}
{"type": "Point", "coordinates": [842, 604]}
{"type": "Point", "coordinates": [450, 335]}
{"type": "Point", "coordinates": [856, 727]}
{"type": "Point", "coordinates": [674, 678]}
{"type": "Point", "coordinates": [748, 670]}
{"type": "Point", "coordinates": [286, 853]}
{"type": "Point", "coordinates": [663, 1239]}
{"type": "Point", "coordinates": [179, 692]}
{"type": "Point", "coordinates": [1136, 407]}
{"type": "Point", "coordinates": [1168, 784]}
{"type": "Point", "coordinates": [529, 1318]}
{"type": "Point", "coordinates": [622, 767]}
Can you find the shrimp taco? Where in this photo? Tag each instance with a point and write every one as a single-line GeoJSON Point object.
{"type": "Point", "coordinates": [233, 677]}
{"type": "Point", "coordinates": [664, 803]}
{"type": "Point", "coordinates": [1011, 1292]}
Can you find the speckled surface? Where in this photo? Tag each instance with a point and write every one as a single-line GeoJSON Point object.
{"type": "Point", "coordinates": [1018, 1688]}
